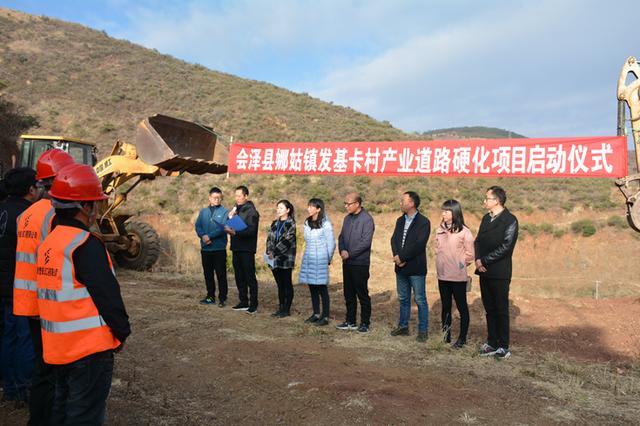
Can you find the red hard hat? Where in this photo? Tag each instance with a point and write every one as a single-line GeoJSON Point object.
{"type": "Point", "coordinates": [50, 163]}
{"type": "Point", "coordinates": [77, 182]}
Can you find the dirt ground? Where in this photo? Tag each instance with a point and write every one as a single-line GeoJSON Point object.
{"type": "Point", "coordinates": [575, 361]}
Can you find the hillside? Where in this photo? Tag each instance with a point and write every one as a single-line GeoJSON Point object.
{"type": "Point", "coordinates": [80, 82]}
{"type": "Point", "coordinates": [470, 132]}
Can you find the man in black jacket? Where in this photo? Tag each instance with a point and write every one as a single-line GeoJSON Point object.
{"type": "Point", "coordinates": [354, 244]}
{"type": "Point", "coordinates": [17, 350]}
{"type": "Point", "coordinates": [409, 248]}
{"type": "Point", "coordinates": [243, 247]}
{"type": "Point", "coordinates": [494, 246]}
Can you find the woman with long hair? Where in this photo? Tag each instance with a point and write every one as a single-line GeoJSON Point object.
{"type": "Point", "coordinates": [281, 249]}
{"type": "Point", "coordinates": [454, 252]}
{"type": "Point", "coordinates": [314, 271]}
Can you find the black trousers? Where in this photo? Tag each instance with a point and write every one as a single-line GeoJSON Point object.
{"type": "Point", "coordinates": [82, 389]}
{"type": "Point", "coordinates": [42, 383]}
{"type": "Point", "coordinates": [495, 298]}
{"type": "Point", "coordinates": [285, 287]}
{"type": "Point", "coordinates": [215, 262]}
{"type": "Point", "coordinates": [244, 268]}
{"type": "Point", "coordinates": [355, 281]}
{"type": "Point", "coordinates": [457, 290]}
{"type": "Point", "coordinates": [320, 292]}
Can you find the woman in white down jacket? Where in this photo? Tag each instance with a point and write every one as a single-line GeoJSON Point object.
{"type": "Point", "coordinates": [314, 271]}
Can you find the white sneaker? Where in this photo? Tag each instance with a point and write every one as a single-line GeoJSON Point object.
{"type": "Point", "coordinates": [502, 353]}
{"type": "Point", "coordinates": [487, 350]}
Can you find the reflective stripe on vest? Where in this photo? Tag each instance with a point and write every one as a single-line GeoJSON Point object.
{"type": "Point", "coordinates": [72, 328]}
{"type": "Point", "coordinates": [26, 257]}
{"type": "Point", "coordinates": [46, 224]}
{"type": "Point", "coordinates": [66, 295]}
{"type": "Point", "coordinates": [33, 226]}
{"type": "Point", "coordinates": [25, 285]}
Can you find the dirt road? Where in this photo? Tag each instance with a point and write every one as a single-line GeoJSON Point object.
{"type": "Point", "coordinates": [187, 364]}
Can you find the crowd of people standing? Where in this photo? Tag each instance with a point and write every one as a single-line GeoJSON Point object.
{"type": "Point", "coordinates": [63, 314]}
{"type": "Point", "coordinates": [63, 317]}
{"type": "Point", "coordinates": [455, 247]}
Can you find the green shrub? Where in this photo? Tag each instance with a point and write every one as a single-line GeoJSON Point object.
{"type": "Point", "coordinates": [617, 222]}
{"type": "Point", "coordinates": [546, 228]}
{"type": "Point", "coordinates": [585, 227]}
{"type": "Point", "coordinates": [529, 229]}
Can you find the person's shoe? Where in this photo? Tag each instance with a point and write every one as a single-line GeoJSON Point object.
{"type": "Point", "coordinates": [241, 307]}
{"type": "Point", "coordinates": [313, 318]}
{"type": "Point", "coordinates": [346, 326]}
{"type": "Point", "coordinates": [400, 331]}
{"type": "Point", "coordinates": [502, 353]}
{"type": "Point", "coordinates": [283, 314]}
{"type": "Point", "coordinates": [276, 313]}
{"type": "Point", "coordinates": [252, 311]}
{"type": "Point", "coordinates": [322, 322]}
{"type": "Point", "coordinates": [458, 344]}
{"type": "Point", "coordinates": [422, 336]}
{"type": "Point", "coordinates": [487, 350]}
{"type": "Point", "coordinates": [208, 301]}
{"type": "Point", "coordinates": [222, 303]}
{"type": "Point", "coordinates": [364, 328]}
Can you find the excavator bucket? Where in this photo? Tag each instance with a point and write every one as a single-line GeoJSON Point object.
{"type": "Point", "coordinates": [178, 145]}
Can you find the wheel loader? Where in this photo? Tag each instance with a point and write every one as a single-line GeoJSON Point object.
{"type": "Point", "coordinates": [164, 146]}
{"type": "Point", "coordinates": [629, 98]}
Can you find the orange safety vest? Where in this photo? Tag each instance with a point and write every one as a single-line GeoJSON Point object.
{"type": "Point", "coordinates": [34, 225]}
{"type": "Point", "coordinates": [72, 327]}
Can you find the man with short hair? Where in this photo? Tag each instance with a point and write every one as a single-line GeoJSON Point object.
{"type": "Point", "coordinates": [213, 247]}
{"type": "Point", "coordinates": [243, 247]}
{"type": "Point", "coordinates": [18, 357]}
{"type": "Point", "coordinates": [354, 244]}
{"type": "Point", "coordinates": [409, 248]}
{"type": "Point", "coordinates": [82, 315]}
{"type": "Point", "coordinates": [494, 247]}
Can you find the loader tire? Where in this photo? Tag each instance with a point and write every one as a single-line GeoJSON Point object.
{"type": "Point", "coordinates": [144, 250]}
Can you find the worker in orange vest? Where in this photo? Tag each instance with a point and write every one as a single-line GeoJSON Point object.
{"type": "Point", "coordinates": [17, 355]}
{"type": "Point", "coordinates": [82, 315]}
{"type": "Point", "coordinates": [33, 226]}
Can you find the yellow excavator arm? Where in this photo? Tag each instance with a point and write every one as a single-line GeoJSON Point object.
{"type": "Point", "coordinates": [629, 98]}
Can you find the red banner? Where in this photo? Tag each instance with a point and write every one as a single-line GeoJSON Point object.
{"type": "Point", "coordinates": [558, 157]}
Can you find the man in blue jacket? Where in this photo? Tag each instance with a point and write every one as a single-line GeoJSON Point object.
{"type": "Point", "coordinates": [213, 247]}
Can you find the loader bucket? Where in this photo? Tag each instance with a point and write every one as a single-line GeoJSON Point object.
{"type": "Point", "coordinates": [178, 145]}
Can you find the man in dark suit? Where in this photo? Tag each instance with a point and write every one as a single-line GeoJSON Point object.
{"type": "Point", "coordinates": [409, 245]}
{"type": "Point", "coordinates": [494, 246]}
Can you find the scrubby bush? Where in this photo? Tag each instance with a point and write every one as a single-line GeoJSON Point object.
{"type": "Point", "coordinates": [617, 222]}
{"type": "Point", "coordinates": [585, 227]}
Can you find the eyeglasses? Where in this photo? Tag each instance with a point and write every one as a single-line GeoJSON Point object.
{"type": "Point", "coordinates": [348, 204]}
{"type": "Point", "coordinates": [490, 198]}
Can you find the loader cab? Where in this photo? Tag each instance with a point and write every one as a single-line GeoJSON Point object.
{"type": "Point", "coordinates": [31, 147]}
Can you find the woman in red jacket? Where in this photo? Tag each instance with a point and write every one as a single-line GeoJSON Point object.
{"type": "Point", "coordinates": [454, 252]}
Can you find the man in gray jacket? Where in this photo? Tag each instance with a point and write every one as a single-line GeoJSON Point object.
{"type": "Point", "coordinates": [354, 244]}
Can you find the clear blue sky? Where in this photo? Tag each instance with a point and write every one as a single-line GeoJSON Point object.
{"type": "Point", "coordinates": [541, 68]}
